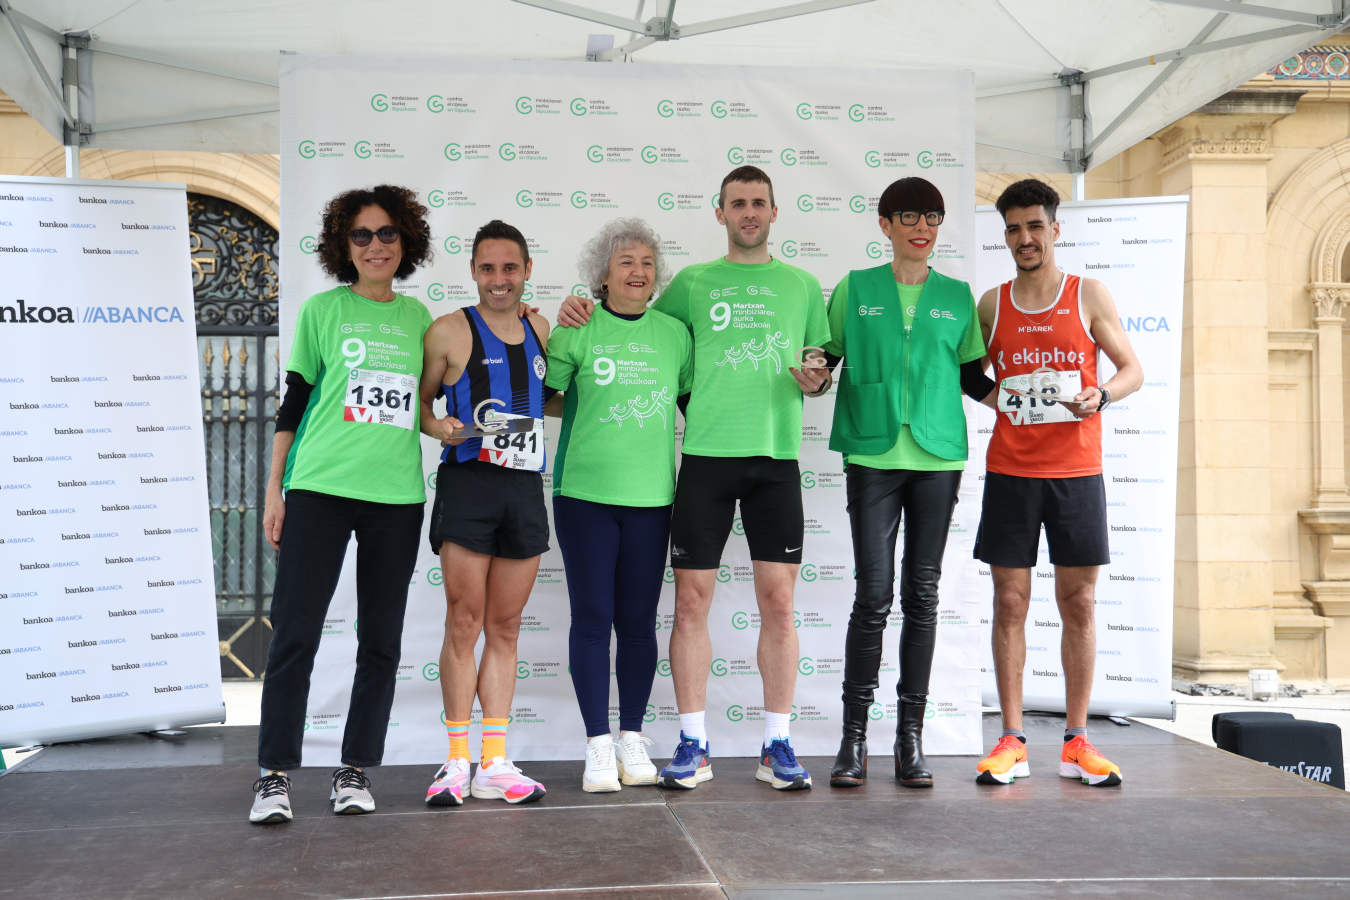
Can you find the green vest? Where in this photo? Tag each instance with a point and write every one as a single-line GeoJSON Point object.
{"type": "Point", "coordinates": [893, 379]}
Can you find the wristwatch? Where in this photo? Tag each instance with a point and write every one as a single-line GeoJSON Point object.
{"type": "Point", "coordinates": [1106, 399]}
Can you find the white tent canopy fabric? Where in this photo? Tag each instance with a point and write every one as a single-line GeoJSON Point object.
{"type": "Point", "coordinates": [1060, 83]}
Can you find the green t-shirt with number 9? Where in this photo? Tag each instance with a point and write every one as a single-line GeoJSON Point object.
{"type": "Point", "coordinates": [749, 324]}
{"type": "Point", "coordinates": [360, 436]}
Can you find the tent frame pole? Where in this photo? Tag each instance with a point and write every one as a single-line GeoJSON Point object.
{"type": "Point", "coordinates": [1316, 20]}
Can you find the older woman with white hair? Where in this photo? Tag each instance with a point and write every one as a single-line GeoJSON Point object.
{"type": "Point", "coordinates": [613, 484]}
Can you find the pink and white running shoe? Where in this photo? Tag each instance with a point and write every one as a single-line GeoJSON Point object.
{"type": "Point", "coordinates": [451, 784]}
{"type": "Point", "coordinates": [501, 780]}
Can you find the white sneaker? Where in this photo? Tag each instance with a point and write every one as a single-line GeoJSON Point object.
{"type": "Point", "coordinates": [501, 779]}
{"type": "Point", "coordinates": [351, 792]}
{"type": "Point", "coordinates": [271, 799]}
{"type": "Point", "coordinates": [635, 766]}
{"type": "Point", "coordinates": [601, 773]}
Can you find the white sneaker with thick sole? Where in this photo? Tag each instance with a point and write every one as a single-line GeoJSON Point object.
{"type": "Point", "coordinates": [271, 799]}
{"type": "Point", "coordinates": [602, 773]}
{"type": "Point", "coordinates": [351, 792]}
{"type": "Point", "coordinates": [635, 766]}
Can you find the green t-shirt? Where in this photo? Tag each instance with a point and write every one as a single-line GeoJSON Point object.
{"type": "Point", "coordinates": [359, 437]}
{"type": "Point", "coordinates": [906, 452]}
{"type": "Point", "coordinates": [621, 378]}
{"type": "Point", "coordinates": [749, 324]}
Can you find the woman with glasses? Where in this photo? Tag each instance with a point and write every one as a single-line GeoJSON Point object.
{"type": "Point", "coordinates": [347, 455]}
{"type": "Point", "coordinates": [911, 343]}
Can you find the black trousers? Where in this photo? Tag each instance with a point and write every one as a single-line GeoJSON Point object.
{"type": "Point", "coordinates": [877, 499]}
{"type": "Point", "coordinates": [314, 540]}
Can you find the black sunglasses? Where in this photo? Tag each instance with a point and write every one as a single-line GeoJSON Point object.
{"type": "Point", "coordinates": [362, 237]}
{"type": "Point", "coordinates": [911, 216]}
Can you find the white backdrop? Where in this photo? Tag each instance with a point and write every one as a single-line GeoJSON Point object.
{"type": "Point", "coordinates": [557, 149]}
{"type": "Point", "coordinates": [1137, 248]}
{"type": "Point", "coordinates": [107, 599]}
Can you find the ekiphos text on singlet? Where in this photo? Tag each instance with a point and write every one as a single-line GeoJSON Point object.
{"type": "Point", "coordinates": [511, 373]}
{"type": "Point", "coordinates": [1037, 355]}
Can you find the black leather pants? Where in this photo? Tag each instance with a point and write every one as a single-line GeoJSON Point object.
{"type": "Point", "coordinates": [877, 498]}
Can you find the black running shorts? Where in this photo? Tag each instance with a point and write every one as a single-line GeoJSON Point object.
{"type": "Point", "coordinates": [1073, 511]}
{"type": "Point", "coordinates": [489, 509]}
{"type": "Point", "coordinates": [770, 494]}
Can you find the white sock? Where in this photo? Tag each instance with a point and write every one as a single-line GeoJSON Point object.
{"type": "Point", "coordinates": [694, 725]}
{"type": "Point", "coordinates": [775, 726]}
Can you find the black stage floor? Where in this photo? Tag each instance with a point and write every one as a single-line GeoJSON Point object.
{"type": "Point", "coordinates": [143, 816]}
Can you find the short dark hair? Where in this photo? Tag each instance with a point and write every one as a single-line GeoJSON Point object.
{"type": "Point", "coordinates": [499, 230]}
{"type": "Point", "coordinates": [745, 175]}
{"type": "Point", "coordinates": [913, 193]}
{"type": "Point", "coordinates": [408, 216]}
{"type": "Point", "coordinates": [1028, 192]}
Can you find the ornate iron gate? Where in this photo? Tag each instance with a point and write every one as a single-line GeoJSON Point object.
{"type": "Point", "coordinates": [234, 268]}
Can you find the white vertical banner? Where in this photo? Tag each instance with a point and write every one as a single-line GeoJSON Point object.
{"type": "Point", "coordinates": [558, 149]}
{"type": "Point", "coordinates": [1137, 249]}
{"type": "Point", "coordinates": [107, 598]}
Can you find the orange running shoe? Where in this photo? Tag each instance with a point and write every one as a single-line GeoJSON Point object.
{"type": "Point", "coordinates": [1008, 760]}
{"type": "Point", "coordinates": [1080, 759]}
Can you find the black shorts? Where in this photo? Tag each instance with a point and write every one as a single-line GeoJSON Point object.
{"type": "Point", "coordinates": [489, 509]}
{"type": "Point", "coordinates": [770, 492]}
{"type": "Point", "coordinates": [1073, 511]}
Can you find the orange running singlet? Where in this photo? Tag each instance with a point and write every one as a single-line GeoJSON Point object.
{"type": "Point", "coordinates": [1035, 352]}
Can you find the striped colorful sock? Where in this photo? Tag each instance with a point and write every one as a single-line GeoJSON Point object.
{"type": "Point", "coordinates": [494, 740]}
{"type": "Point", "coordinates": [459, 739]}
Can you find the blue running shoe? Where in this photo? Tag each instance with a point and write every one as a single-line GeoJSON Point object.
{"type": "Point", "coordinates": [779, 767]}
{"type": "Point", "coordinates": [689, 766]}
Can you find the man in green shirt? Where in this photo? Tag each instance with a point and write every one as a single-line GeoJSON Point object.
{"type": "Point", "coordinates": [750, 316]}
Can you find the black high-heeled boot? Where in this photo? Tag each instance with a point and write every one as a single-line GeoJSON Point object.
{"type": "Point", "coordinates": [850, 765]}
{"type": "Point", "coordinates": [911, 769]}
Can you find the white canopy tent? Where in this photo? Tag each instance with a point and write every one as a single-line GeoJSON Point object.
{"type": "Point", "coordinates": [1060, 83]}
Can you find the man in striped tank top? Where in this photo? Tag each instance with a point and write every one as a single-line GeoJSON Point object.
{"type": "Point", "coordinates": [488, 522]}
{"type": "Point", "coordinates": [1044, 330]}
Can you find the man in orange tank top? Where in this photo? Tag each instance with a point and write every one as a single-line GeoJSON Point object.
{"type": "Point", "coordinates": [1044, 330]}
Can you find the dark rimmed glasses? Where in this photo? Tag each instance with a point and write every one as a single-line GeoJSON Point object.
{"type": "Point", "coordinates": [362, 237]}
{"type": "Point", "coordinates": [933, 217]}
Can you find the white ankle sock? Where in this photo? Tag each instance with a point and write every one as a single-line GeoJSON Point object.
{"type": "Point", "coordinates": [775, 726]}
{"type": "Point", "coordinates": [694, 725]}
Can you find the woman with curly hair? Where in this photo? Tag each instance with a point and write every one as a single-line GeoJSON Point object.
{"type": "Point", "coordinates": [347, 456]}
{"type": "Point", "coordinates": [613, 483]}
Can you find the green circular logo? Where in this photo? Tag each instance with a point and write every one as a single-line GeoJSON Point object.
{"type": "Point", "coordinates": [435, 103]}
{"type": "Point", "coordinates": [650, 715]}
{"type": "Point", "coordinates": [787, 156]}
{"type": "Point", "coordinates": [435, 575]}
{"type": "Point", "coordinates": [453, 152]}
{"type": "Point", "coordinates": [723, 573]}
{"type": "Point", "coordinates": [857, 203]}
{"type": "Point", "coordinates": [718, 108]}
{"type": "Point", "coordinates": [666, 201]}
{"type": "Point", "coordinates": [669, 575]}
{"type": "Point", "coordinates": [436, 291]}
{"type": "Point", "coordinates": [578, 106]}
{"type": "Point", "coordinates": [595, 153]}
{"type": "Point", "coordinates": [875, 712]}
{"type": "Point", "coordinates": [924, 159]}
{"type": "Point", "coordinates": [436, 198]}
{"type": "Point", "coordinates": [431, 479]}
{"type": "Point", "coordinates": [806, 666]}
{"type": "Point", "coordinates": [809, 572]}
{"type": "Point", "coordinates": [663, 668]}
{"type": "Point", "coordinates": [306, 149]}
{"type": "Point", "coordinates": [737, 526]}
{"type": "Point", "coordinates": [718, 667]}
{"type": "Point", "coordinates": [379, 102]}
{"type": "Point", "coordinates": [665, 109]}
{"type": "Point", "coordinates": [856, 113]}
{"type": "Point", "coordinates": [736, 155]}
{"type": "Point", "coordinates": [792, 717]}
{"type": "Point", "coordinates": [527, 293]}
{"type": "Point", "coordinates": [735, 713]}
{"type": "Point", "coordinates": [808, 479]}
{"type": "Point", "coordinates": [524, 105]}
{"type": "Point", "coordinates": [740, 620]}
{"type": "Point", "coordinates": [524, 199]}
{"type": "Point", "coordinates": [507, 151]}
{"type": "Point", "coordinates": [872, 159]}
{"type": "Point", "coordinates": [580, 290]}
{"type": "Point", "coordinates": [453, 245]}
{"type": "Point", "coordinates": [804, 111]}
{"type": "Point", "coordinates": [805, 202]}
{"type": "Point", "coordinates": [874, 250]}
{"type": "Point", "coordinates": [930, 710]}
{"type": "Point", "coordinates": [522, 669]}
{"type": "Point", "coordinates": [362, 149]}
{"type": "Point", "coordinates": [578, 200]}
{"type": "Point", "coordinates": [649, 154]}
{"type": "Point", "coordinates": [788, 249]}
{"type": "Point", "coordinates": [796, 618]}
{"type": "Point", "coordinates": [308, 244]}
{"type": "Point", "coordinates": [431, 671]}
